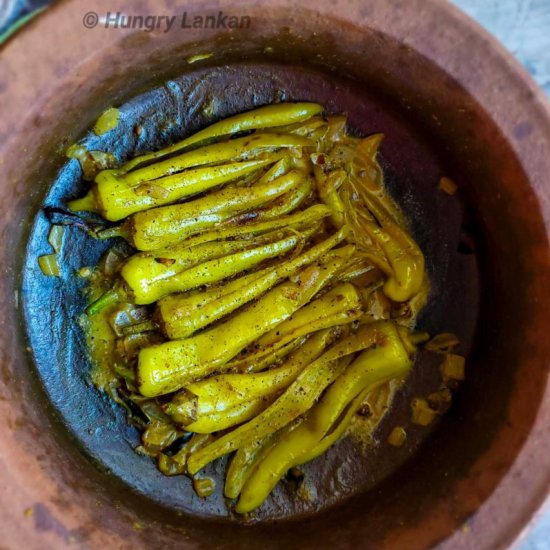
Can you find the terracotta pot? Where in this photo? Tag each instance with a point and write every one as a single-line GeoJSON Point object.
{"type": "Point", "coordinates": [480, 478]}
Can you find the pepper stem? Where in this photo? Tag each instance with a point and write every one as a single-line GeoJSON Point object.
{"type": "Point", "coordinates": [87, 203]}
{"type": "Point", "coordinates": [110, 232]}
{"type": "Point", "coordinates": [109, 298]}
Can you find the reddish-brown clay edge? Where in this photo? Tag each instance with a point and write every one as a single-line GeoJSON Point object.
{"type": "Point", "coordinates": [35, 67]}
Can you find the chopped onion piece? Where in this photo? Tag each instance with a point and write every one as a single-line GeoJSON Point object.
{"type": "Point", "coordinates": [203, 487]}
{"type": "Point", "coordinates": [447, 186]}
{"type": "Point", "coordinates": [48, 265]}
{"type": "Point", "coordinates": [442, 343]}
{"type": "Point", "coordinates": [452, 367]}
{"type": "Point", "coordinates": [397, 436]}
{"type": "Point", "coordinates": [422, 414]}
{"type": "Point", "coordinates": [55, 237]}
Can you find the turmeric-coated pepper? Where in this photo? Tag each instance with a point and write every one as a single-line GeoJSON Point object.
{"type": "Point", "coordinates": [167, 367]}
{"type": "Point", "coordinates": [274, 289]}
{"type": "Point", "coordinates": [270, 116]}
{"type": "Point", "coordinates": [227, 391]}
{"type": "Point", "coordinates": [182, 315]}
{"type": "Point", "coordinates": [150, 283]}
{"type": "Point", "coordinates": [296, 399]}
{"type": "Point", "coordinates": [386, 361]}
{"type": "Point", "coordinates": [169, 225]}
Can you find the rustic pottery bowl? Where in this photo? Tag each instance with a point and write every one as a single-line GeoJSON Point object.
{"type": "Point", "coordinates": [483, 474]}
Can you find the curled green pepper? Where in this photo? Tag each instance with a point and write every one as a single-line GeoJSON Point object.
{"type": "Point", "coordinates": [404, 261]}
{"type": "Point", "coordinates": [172, 365]}
{"type": "Point", "coordinates": [230, 230]}
{"type": "Point", "coordinates": [245, 148]}
{"type": "Point", "coordinates": [218, 421]}
{"type": "Point", "coordinates": [374, 366]}
{"type": "Point", "coordinates": [327, 189]}
{"type": "Point", "coordinates": [404, 257]}
{"type": "Point", "coordinates": [149, 282]}
{"type": "Point", "coordinates": [282, 205]}
{"type": "Point", "coordinates": [182, 315]}
{"type": "Point", "coordinates": [116, 200]}
{"type": "Point", "coordinates": [225, 392]}
{"type": "Point", "coordinates": [296, 400]}
{"type": "Point", "coordinates": [242, 465]}
{"type": "Point", "coordinates": [269, 116]}
{"type": "Point", "coordinates": [340, 306]}
{"type": "Point", "coordinates": [168, 225]}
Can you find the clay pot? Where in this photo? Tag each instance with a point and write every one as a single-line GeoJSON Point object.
{"type": "Point", "coordinates": [482, 475]}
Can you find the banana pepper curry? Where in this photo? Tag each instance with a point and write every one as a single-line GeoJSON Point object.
{"type": "Point", "coordinates": [273, 290]}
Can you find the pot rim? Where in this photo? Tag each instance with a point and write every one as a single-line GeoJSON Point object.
{"type": "Point", "coordinates": [492, 526]}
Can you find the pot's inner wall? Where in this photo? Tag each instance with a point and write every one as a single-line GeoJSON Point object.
{"type": "Point", "coordinates": [491, 181]}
